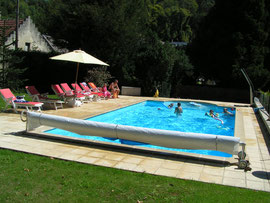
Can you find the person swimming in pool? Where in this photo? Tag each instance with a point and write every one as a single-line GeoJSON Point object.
{"type": "Point", "coordinates": [213, 115]}
{"type": "Point", "coordinates": [225, 111]}
{"type": "Point", "coordinates": [170, 105]}
{"type": "Point", "coordinates": [178, 110]}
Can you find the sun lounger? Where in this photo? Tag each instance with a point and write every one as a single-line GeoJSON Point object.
{"type": "Point", "coordinates": [68, 90]}
{"type": "Point", "coordinates": [37, 97]}
{"type": "Point", "coordinates": [10, 99]}
{"type": "Point", "coordinates": [78, 89]}
{"type": "Point", "coordinates": [65, 96]}
{"type": "Point", "coordinates": [87, 89]}
{"type": "Point", "coordinates": [94, 87]}
{"type": "Point", "coordinates": [97, 90]}
{"type": "Point", "coordinates": [91, 95]}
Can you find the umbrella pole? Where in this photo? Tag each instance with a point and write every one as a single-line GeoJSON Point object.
{"type": "Point", "coordinates": [76, 76]}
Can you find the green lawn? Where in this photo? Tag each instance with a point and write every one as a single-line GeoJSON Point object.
{"type": "Point", "coordinates": [31, 178]}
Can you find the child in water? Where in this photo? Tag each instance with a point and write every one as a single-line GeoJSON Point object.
{"type": "Point", "coordinates": [225, 111]}
{"type": "Point", "coordinates": [213, 115]}
{"type": "Point", "coordinates": [170, 105]}
{"type": "Point", "coordinates": [178, 110]}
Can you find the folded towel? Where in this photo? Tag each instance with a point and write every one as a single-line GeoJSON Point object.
{"type": "Point", "coordinates": [20, 97]}
{"type": "Point", "coordinates": [84, 83]}
{"type": "Point", "coordinates": [20, 101]}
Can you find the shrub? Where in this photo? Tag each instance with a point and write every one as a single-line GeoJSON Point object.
{"type": "Point", "coordinates": [99, 76]}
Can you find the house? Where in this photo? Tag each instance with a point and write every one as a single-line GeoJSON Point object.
{"type": "Point", "coordinates": [29, 38]}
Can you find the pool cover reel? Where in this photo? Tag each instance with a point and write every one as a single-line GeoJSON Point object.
{"type": "Point", "coordinates": [165, 138]}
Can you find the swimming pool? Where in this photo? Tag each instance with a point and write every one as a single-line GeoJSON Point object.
{"type": "Point", "coordinates": [153, 114]}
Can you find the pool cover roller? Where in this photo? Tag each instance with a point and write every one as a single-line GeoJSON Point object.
{"type": "Point", "coordinates": [165, 138]}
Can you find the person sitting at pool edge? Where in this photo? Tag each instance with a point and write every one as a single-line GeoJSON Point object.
{"type": "Point", "coordinates": [178, 110]}
{"type": "Point", "coordinates": [213, 115]}
{"type": "Point", "coordinates": [225, 111]}
{"type": "Point", "coordinates": [114, 89]}
{"type": "Point", "coordinates": [170, 105]}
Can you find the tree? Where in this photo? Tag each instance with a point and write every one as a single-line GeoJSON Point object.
{"type": "Point", "coordinates": [131, 36]}
{"type": "Point", "coordinates": [98, 76]}
{"type": "Point", "coordinates": [170, 19]}
{"type": "Point", "coordinates": [9, 71]}
{"type": "Point", "coordinates": [233, 36]}
{"type": "Point", "coordinates": [182, 72]}
{"type": "Point", "coordinates": [155, 64]}
{"type": "Point", "coordinates": [204, 7]}
{"type": "Point", "coordinates": [37, 9]}
{"type": "Point", "coordinates": [109, 30]}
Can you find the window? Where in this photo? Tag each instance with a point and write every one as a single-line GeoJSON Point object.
{"type": "Point", "coordinates": [27, 46]}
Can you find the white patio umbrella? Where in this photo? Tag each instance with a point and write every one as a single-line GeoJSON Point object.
{"type": "Point", "coordinates": [79, 56]}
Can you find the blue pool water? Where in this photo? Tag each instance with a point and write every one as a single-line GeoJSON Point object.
{"type": "Point", "coordinates": [153, 114]}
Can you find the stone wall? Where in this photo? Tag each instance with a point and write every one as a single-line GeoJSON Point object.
{"type": "Point", "coordinates": [28, 33]}
{"type": "Point", "coordinates": [131, 91]}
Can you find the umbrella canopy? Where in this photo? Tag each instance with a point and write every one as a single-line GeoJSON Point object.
{"type": "Point", "coordinates": [79, 56]}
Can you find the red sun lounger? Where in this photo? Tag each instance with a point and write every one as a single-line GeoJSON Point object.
{"type": "Point", "coordinates": [65, 96]}
{"type": "Point", "coordinates": [10, 99]}
{"type": "Point", "coordinates": [37, 97]}
{"type": "Point", "coordinates": [96, 89]}
{"type": "Point", "coordinates": [68, 90]}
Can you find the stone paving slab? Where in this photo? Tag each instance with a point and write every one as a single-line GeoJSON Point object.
{"type": "Point", "coordinates": [152, 163]}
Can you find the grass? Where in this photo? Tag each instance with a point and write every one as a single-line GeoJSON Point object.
{"type": "Point", "coordinates": [31, 178]}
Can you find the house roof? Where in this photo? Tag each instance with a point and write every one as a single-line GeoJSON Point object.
{"type": "Point", "coordinates": [10, 26]}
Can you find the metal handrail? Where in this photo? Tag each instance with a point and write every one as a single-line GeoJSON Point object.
{"type": "Point", "coordinates": [251, 86]}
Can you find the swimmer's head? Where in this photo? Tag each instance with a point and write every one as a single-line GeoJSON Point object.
{"type": "Point", "coordinates": [171, 105]}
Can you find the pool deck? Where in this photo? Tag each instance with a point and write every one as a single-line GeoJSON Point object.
{"type": "Point", "coordinates": [178, 165]}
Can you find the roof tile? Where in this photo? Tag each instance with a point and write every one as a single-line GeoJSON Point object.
{"type": "Point", "coordinates": [10, 26]}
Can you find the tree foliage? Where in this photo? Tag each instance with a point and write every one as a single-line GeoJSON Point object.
{"type": "Point", "coordinates": [154, 66]}
{"type": "Point", "coordinates": [10, 72]}
{"type": "Point", "coordinates": [37, 9]}
{"type": "Point", "coordinates": [170, 19]}
{"type": "Point", "coordinates": [232, 36]}
{"type": "Point", "coordinates": [134, 38]}
{"type": "Point", "coordinates": [118, 32]}
{"type": "Point", "coordinates": [98, 76]}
